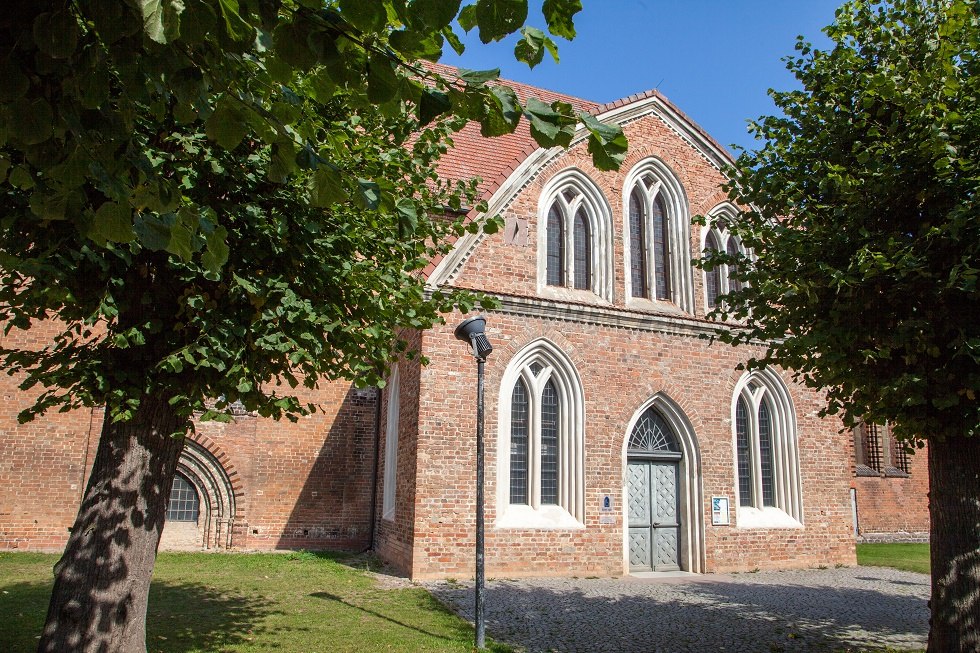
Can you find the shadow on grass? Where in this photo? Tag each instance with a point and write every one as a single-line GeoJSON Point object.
{"type": "Point", "coordinates": [181, 617]}
{"type": "Point", "coordinates": [431, 604]}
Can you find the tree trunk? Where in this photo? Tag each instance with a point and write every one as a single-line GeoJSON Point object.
{"type": "Point", "coordinates": [954, 508]}
{"type": "Point", "coordinates": [102, 580]}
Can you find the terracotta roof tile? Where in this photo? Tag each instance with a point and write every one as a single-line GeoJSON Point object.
{"type": "Point", "coordinates": [494, 159]}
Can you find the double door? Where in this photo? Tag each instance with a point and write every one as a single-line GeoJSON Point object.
{"type": "Point", "coordinates": [654, 529]}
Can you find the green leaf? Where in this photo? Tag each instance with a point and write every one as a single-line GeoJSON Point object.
{"type": "Point", "coordinates": [30, 120]}
{"type": "Point", "coordinates": [114, 222]}
{"type": "Point", "coordinates": [548, 127]}
{"type": "Point", "coordinates": [327, 187]}
{"type": "Point", "coordinates": [417, 45]}
{"type": "Point", "coordinates": [432, 104]}
{"type": "Point", "coordinates": [499, 18]}
{"type": "Point", "coordinates": [182, 234]}
{"type": "Point", "coordinates": [607, 143]}
{"type": "Point", "coordinates": [216, 250]}
{"type": "Point", "coordinates": [382, 80]}
{"type": "Point", "coordinates": [153, 230]}
{"type": "Point", "coordinates": [559, 16]}
{"type": "Point", "coordinates": [21, 178]}
{"type": "Point", "coordinates": [152, 12]}
{"type": "Point", "coordinates": [366, 15]}
{"type": "Point", "coordinates": [236, 27]}
{"type": "Point", "coordinates": [501, 112]}
{"type": "Point", "coordinates": [56, 34]}
{"type": "Point", "coordinates": [453, 40]}
{"type": "Point", "coordinates": [226, 126]}
{"type": "Point", "coordinates": [467, 18]}
{"type": "Point", "coordinates": [432, 15]}
{"type": "Point", "coordinates": [48, 205]}
{"type": "Point", "coordinates": [370, 194]}
{"type": "Point", "coordinates": [530, 49]}
{"type": "Point", "coordinates": [408, 217]}
{"type": "Point", "coordinates": [477, 77]}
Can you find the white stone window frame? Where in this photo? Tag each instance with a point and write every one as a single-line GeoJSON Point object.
{"type": "Point", "coordinates": [599, 216]}
{"type": "Point", "coordinates": [755, 387]}
{"type": "Point", "coordinates": [717, 218]}
{"type": "Point", "coordinates": [653, 177]}
{"type": "Point", "coordinates": [569, 513]}
{"type": "Point", "coordinates": [388, 495]}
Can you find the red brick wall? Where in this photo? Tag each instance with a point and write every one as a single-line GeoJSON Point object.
{"type": "Point", "coordinates": [895, 508]}
{"type": "Point", "coordinates": [302, 485]}
{"type": "Point", "coordinates": [620, 370]}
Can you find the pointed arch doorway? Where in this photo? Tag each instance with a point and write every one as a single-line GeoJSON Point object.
{"type": "Point", "coordinates": [653, 511]}
{"type": "Point", "coordinates": [663, 521]}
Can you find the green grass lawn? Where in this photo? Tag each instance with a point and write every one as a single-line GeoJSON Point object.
{"type": "Point", "coordinates": [907, 557]}
{"type": "Point", "coordinates": [301, 602]}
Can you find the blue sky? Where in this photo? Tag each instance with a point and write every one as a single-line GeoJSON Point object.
{"type": "Point", "coordinates": [714, 59]}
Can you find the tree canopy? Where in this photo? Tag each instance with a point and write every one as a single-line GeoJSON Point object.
{"type": "Point", "coordinates": [863, 219]}
{"type": "Point", "coordinates": [863, 226]}
{"type": "Point", "coordinates": [216, 194]}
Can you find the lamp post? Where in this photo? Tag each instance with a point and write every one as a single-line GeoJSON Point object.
{"type": "Point", "coordinates": [472, 331]}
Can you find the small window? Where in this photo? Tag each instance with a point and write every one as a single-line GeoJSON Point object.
{"type": "Point", "coordinates": [184, 503]}
{"type": "Point", "coordinates": [901, 457]}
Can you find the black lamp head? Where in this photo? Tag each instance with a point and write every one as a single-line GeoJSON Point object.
{"type": "Point", "coordinates": [472, 330]}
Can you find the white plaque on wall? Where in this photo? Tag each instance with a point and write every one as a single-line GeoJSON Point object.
{"type": "Point", "coordinates": [719, 511]}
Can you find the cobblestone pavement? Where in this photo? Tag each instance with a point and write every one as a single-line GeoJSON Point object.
{"type": "Point", "coordinates": [829, 610]}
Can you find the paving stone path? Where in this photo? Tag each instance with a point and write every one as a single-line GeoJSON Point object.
{"type": "Point", "coordinates": [826, 610]}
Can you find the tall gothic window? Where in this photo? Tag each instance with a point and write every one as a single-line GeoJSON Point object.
{"type": "Point", "coordinates": [541, 440]}
{"type": "Point", "coordinates": [570, 230]}
{"type": "Point", "coordinates": [766, 456]}
{"type": "Point", "coordinates": [722, 279]}
{"type": "Point", "coordinates": [658, 236]}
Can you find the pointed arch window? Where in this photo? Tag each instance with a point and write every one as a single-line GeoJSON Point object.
{"type": "Point", "coordinates": [569, 231]}
{"type": "Point", "coordinates": [722, 279]}
{"type": "Point", "coordinates": [658, 233]}
{"type": "Point", "coordinates": [575, 236]}
{"type": "Point", "coordinates": [766, 453]}
{"type": "Point", "coordinates": [540, 443]}
{"type": "Point", "coordinates": [652, 435]}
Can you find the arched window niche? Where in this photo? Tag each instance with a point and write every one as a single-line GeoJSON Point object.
{"type": "Point", "coordinates": [575, 257]}
{"type": "Point", "coordinates": [657, 237]}
{"type": "Point", "coordinates": [660, 431]}
{"type": "Point", "coordinates": [768, 492]}
{"type": "Point", "coordinates": [715, 236]}
{"type": "Point", "coordinates": [540, 441]}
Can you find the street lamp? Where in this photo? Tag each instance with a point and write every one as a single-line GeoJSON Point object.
{"type": "Point", "coordinates": [472, 331]}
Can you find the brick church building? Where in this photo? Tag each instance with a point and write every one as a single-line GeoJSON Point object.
{"type": "Point", "coordinates": [619, 437]}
